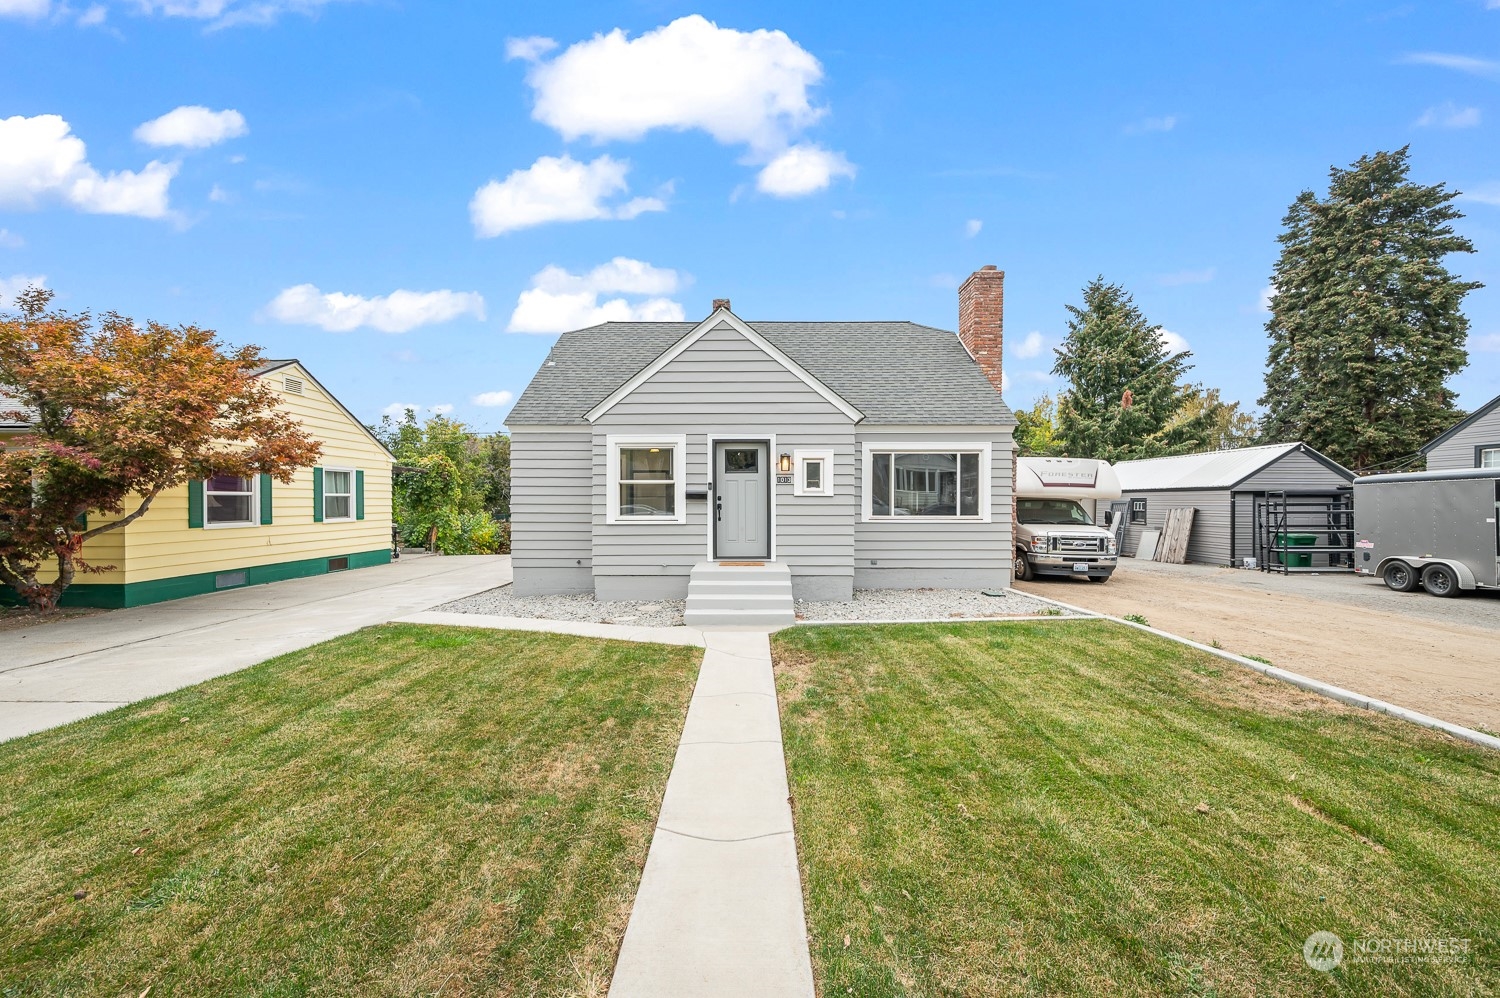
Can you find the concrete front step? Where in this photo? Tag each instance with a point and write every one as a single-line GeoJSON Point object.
{"type": "Point", "coordinates": [743, 595]}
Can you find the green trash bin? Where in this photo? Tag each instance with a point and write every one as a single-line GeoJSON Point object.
{"type": "Point", "coordinates": [1295, 558]}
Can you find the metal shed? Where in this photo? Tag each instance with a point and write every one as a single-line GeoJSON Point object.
{"type": "Point", "coordinates": [1229, 491]}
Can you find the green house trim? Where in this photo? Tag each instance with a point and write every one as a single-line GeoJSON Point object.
{"type": "Point", "coordinates": [117, 596]}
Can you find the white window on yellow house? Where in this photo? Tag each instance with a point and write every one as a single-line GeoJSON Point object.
{"type": "Point", "coordinates": [338, 494]}
{"type": "Point", "coordinates": [229, 501]}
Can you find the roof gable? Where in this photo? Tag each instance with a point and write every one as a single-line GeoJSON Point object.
{"type": "Point", "coordinates": [272, 366]}
{"type": "Point", "coordinates": [891, 372]}
{"type": "Point", "coordinates": [1461, 425]}
{"type": "Point", "coordinates": [723, 316]}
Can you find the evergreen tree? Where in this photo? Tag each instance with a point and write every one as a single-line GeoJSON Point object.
{"type": "Point", "coordinates": [1366, 323]}
{"type": "Point", "coordinates": [1125, 393]}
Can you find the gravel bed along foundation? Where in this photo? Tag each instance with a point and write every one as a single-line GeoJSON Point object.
{"type": "Point", "coordinates": [926, 604]}
{"type": "Point", "coordinates": [868, 604]}
{"type": "Point", "coordinates": [503, 602]}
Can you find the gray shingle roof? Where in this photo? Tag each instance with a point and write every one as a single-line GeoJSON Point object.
{"type": "Point", "coordinates": [893, 372]}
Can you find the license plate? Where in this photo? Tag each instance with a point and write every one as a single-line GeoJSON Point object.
{"type": "Point", "coordinates": [1080, 566]}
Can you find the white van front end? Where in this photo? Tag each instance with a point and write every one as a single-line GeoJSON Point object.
{"type": "Point", "coordinates": [1055, 534]}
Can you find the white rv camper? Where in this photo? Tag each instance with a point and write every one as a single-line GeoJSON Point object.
{"type": "Point", "coordinates": [1055, 531]}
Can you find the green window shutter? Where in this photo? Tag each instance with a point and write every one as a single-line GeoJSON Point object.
{"type": "Point", "coordinates": [359, 495]}
{"type": "Point", "coordinates": [265, 499]}
{"type": "Point", "coordinates": [317, 495]}
{"type": "Point", "coordinates": [195, 503]}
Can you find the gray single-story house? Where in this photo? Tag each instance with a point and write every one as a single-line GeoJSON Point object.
{"type": "Point", "coordinates": [1228, 490]}
{"type": "Point", "coordinates": [814, 456]}
{"type": "Point", "coordinates": [1474, 442]}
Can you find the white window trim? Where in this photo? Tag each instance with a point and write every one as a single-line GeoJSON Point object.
{"type": "Point", "coordinates": [799, 485]}
{"type": "Point", "coordinates": [254, 520]}
{"type": "Point", "coordinates": [613, 443]}
{"type": "Point", "coordinates": [986, 476]}
{"type": "Point", "coordinates": [1483, 451]}
{"type": "Point", "coordinates": [353, 487]}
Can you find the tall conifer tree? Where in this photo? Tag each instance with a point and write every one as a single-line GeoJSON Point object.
{"type": "Point", "coordinates": [1125, 394]}
{"type": "Point", "coordinates": [1366, 323]}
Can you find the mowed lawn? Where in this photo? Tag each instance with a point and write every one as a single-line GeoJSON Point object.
{"type": "Point", "coordinates": [1084, 809]}
{"type": "Point", "coordinates": [405, 811]}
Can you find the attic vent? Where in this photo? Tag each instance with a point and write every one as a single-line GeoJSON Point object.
{"type": "Point", "coordinates": [293, 386]}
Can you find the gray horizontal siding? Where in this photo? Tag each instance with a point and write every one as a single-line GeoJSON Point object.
{"type": "Point", "coordinates": [1457, 451]}
{"type": "Point", "coordinates": [724, 386]}
{"type": "Point", "coordinates": [1208, 543]}
{"type": "Point", "coordinates": [1293, 471]}
{"type": "Point", "coordinates": [931, 543]}
{"type": "Point", "coordinates": [551, 474]}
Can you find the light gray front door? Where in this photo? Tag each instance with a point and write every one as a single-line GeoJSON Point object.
{"type": "Point", "coordinates": [742, 527]}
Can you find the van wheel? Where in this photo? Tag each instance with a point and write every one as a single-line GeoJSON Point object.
{"type": "Point", "coordinates": [1023, 568]}
{"type": "Point", "coordinates": [1400, 577]}
{"type": "Point", "coordinates": [1440, 580]}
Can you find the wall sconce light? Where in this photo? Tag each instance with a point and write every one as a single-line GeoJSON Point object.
{"type": "Point", "coordinates": [784, 465]}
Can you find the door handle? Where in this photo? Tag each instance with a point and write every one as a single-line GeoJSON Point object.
{"type": "Point", "coordinates": [719, 508]}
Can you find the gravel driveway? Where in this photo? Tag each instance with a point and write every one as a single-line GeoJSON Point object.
{"type": "Point", "coordinates": [1439, 656]}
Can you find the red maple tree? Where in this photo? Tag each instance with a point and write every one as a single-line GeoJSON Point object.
{"type": "Point", "coordinates": [118, 414]}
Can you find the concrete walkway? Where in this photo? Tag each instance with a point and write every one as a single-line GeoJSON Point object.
{"type": "Point", "coordinates": [719, 910]}
{"type": "Point", "coordinates": [55, 673]}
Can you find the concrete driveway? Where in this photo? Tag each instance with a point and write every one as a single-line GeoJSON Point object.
{"type": "Point", "coordinates": [55, 673]}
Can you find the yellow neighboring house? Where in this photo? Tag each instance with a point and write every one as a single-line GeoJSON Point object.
{"type": "Point", "coordinates": [230, 532]}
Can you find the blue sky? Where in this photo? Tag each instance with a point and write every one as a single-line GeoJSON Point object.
{"type": "Point", "coordinates": [385, 190]}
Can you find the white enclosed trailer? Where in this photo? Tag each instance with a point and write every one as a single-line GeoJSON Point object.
{"type": "Point", "coordinates": [1436, 529]}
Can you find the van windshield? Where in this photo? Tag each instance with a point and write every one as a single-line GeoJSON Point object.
{"type": "Point", "coordinates": [1055, 511]}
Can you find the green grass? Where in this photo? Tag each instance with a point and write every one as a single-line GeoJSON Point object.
{"type": "Point", "coordinates": [1006, 809]}
{"type": "Point", "coordinates": [408, 810]}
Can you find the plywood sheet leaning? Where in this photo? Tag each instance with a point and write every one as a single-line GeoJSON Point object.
{"type": "Point", "coordinates": [1175, 535]}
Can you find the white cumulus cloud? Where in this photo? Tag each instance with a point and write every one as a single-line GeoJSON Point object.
{"type": "Point", "coordinates": [492, 399]}
{"type": "Point", "coordinates": [229, 13]}
{"type": "Point", "coordinates": [558, 301]}
{"type": "Point", "coordinates": [1449, 115]}
{"type": "Point", "coordinates": [27, 9]}
{"type": "Point", "coordinates": [556, 189]}
{"type": "Point", "coordinates": [972, 227]}
{"type": "Point", "coordinates": [1031, 346]}
{"type": "Point", "coordinates": [1172, 341]}
{"type": "Point", "coordinates": [398, 312]}
{"type": "Point", "coordinates": [42, 160]}
{"type": "Point", "coordinates": [749, 88]}
{"type": "Point", "coordinates": [192, 126]}
{"type": "Point", "coordinates": [12, 286]}
{"type": "Point", "coordinates": [802, 169]}
{"type": "Point", "coordinates": [528, 49]}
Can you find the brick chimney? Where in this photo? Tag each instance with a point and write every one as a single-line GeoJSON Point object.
{"type": "Point", "coordinates": [722, 303]}
{"type": "Point", "coordinates": [981, 319]}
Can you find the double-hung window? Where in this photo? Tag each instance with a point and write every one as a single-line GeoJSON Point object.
{"type": "Point", "coordinates": [934, 483]}
{"type": "Point", "coordinates": [1489, 457]}
{"type": "Point", "coordinates": [229, 501]}
{"type": "Point", "coordinates": [338, 494]}
{"type": "Point", "coordinates": [646, 479]}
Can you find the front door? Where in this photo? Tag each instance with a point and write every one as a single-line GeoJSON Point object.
{"type": "Point", "coordinates": [742, 490]}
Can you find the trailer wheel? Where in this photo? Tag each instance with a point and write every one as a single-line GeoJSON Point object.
{"type": "Point", "coordinates": [1023, 567]}
{"type": "Point", "coordinates": [1400, 577]}
{"type": "Point", "coordinates": [1440, 580]}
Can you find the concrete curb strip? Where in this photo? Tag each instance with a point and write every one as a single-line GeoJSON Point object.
{"type": "Point", "coordinates": [1302, 682]}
